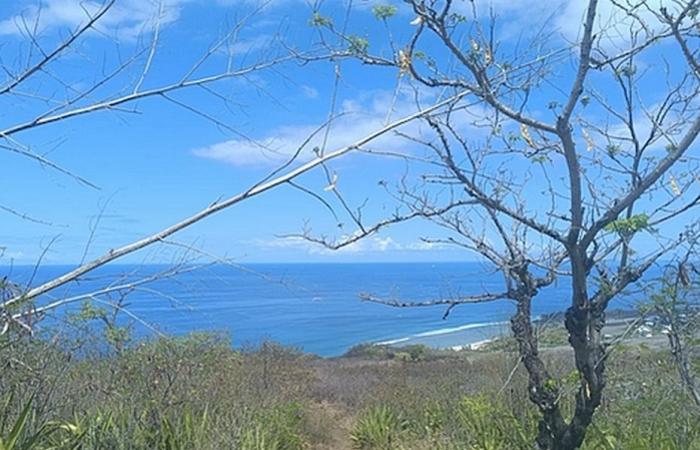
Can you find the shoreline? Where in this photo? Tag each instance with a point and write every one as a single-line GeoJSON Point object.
{"type": "Point", "coordinates": [478, 345]}
{"type": "Point", "coordinates": [468, 336]}
{"type": "Point", "coordinates": [479, 336]}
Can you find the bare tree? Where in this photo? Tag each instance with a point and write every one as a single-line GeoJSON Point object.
{"type": "Point", "coordinates": [44, 91]}
{"type": "Point", "coordinates": [562, 195]}
{"type": "Point", "coordinates": [674, 302]}
{"type": "Point", "coordinates": [119, 91]}
{"type": "Point", "coordinates": [20, 307]}
{"type": "Point", "coordinates": [592, 192]}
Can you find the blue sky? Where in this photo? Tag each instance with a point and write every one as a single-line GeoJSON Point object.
{"type": "Point", "coordinates": [161, 163]}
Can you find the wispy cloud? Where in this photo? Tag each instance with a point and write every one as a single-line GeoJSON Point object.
{"type": "Point", "coordinates": [245, 46]}
{"type": "Point", "coordinates": [270, 150]}
{"type": "Point", "coordinates": [374, 244]}
{"type": "Point", "coordinates": [357, 119]}
{"type": "Point", "coordinates": [11, 255]}
{"type": "Point", "coordinates": [566, 18]}
{"type": "Point", "coordinates": [612, 23]}
{"type": "Point", "coordinates": [127, 19]}
{"type": "Point", "coordinates": [309, 91]}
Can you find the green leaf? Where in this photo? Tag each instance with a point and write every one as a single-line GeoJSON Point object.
{"type": "Point", "coordinates": [17, 428]}
{"type": "Point", "coordinates": [317, 20]}
{"type": "Point", "coordinates": [629, 71]}
{"type": "Point", "coordinates": [540, 159]}
{"type": "Point", "coordinates": [88, 311]}
{"type": "Point", "coordinates": [613, 150]}
{"type": "Point", "coordinates": [383, 12]}
{"type": "Point", "coordinates": [627, 227]}
{"type": "Point", "coordinates": [456, 18]}
{"type": "Point", "coordinates": [358, 45]}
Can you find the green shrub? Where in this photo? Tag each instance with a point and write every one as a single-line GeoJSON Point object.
{"type": "Point", "coordinates": [489, 425]}
{"type": "Point", "coordinates": [258, 438]}
{"type": "Point", "coordinates": [408, 353]}
{"type": "Point", "coordinates": [277, 429]}
{"type": "Point", "coordinates": [378, 428]}
{"type": "Point", "coordinates": [46, 435]}
{"type": "Point", "coordinates": [282, 426]}
{"type": "Point", "coordinates": [371, 351]}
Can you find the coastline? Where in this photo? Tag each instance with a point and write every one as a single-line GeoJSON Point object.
{"type": "Point", "coordinates": [468, 336]}
{"type": "Point", "coordinates": [480, 336]}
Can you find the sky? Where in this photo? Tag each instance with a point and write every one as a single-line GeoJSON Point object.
{"type": "Point", "coordinates": [158, 160]}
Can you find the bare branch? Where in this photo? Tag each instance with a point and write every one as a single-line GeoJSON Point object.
{"type": "Point", "coordinates": [219, 206]}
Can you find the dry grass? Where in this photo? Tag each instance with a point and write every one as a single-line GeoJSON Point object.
{"type": "Point", "coordinates": [276, 398]}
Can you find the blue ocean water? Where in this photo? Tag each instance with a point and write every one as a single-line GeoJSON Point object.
{"type": "Point", "coordinates": [313, 306]}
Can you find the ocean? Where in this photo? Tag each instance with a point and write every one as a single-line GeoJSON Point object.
{"type": "Point", "coordinates": [314, 307]}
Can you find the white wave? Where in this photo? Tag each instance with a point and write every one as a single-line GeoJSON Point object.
{"type": "Point", "coordinates": [478, 344]}
{"type": "Point", "coordinates": [393, 341]}
{"type": "Point", "coordinates": [469, 326]}
{"type": "Point", "coordinates": [442, 331]}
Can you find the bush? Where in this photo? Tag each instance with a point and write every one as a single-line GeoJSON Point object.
{"type": "Point", "coordinates": [408, 353]}
{"type": "Point", "coordinates": [378, 428]}
{"type": "Point", "coordinates": [488, 424]}
{"type": "Point", "coordinates": [277, 429]}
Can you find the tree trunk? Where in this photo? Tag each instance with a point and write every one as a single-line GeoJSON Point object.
{"type": "Point", "coordinates": [584, 327]}
{"type": "Point", "coordinates": [585, 336]}
{"type": "Point", "coordinates": [542, 389]}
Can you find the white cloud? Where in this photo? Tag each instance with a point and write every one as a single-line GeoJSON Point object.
{"type": "Point", "coordinates": [425, 246]}
{"type": "Point", "coordinates": [517, 16]}
{"type": "Point", "coordinates": [357, 121]}
{"type": "Point", "coordinates": [126, 19]}
{"type": "Point", "coordinates": [368, 245]}
{"type": "Point", "coordinates": [12, 255]}
{"type": "Point", "coordinates": [384, 244]}
{"type": "Point", "coordinates": [618, 133]}
{"type": "Point", "coordinates": [612, 23]}
{"type": "Point", "coordinates": [309, 91]}
{"type": "Point", "coordinates": [566, 17]}
{"type": "Point", "coordinates": [130, 18]}
{"type": "Point", "coordinates": [245, 46]}
{"type": "Point", "coordinates": [271, 150]}
{"type": "Point", "coordinates": [374, 244]}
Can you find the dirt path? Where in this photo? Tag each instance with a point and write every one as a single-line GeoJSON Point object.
{"type": "Point", "coordinates": [336, 424]}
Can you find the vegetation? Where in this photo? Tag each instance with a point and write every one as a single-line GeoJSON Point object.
{"type": "Point", "coordinates": [525, 168]}
{"type": "Point", "coordinates": [198, 392]}
{"type": "Point", "coordinates": [415, 352]}
{"type": "Point", "coordinates": [540, 155]}
{"type": "Point", "coordinates": [193, 392]}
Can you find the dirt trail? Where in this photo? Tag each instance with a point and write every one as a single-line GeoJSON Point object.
{"type": "Point", "coordinates": [338, 387]}
{"type": "Point", "coordinates": [336, 423]}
